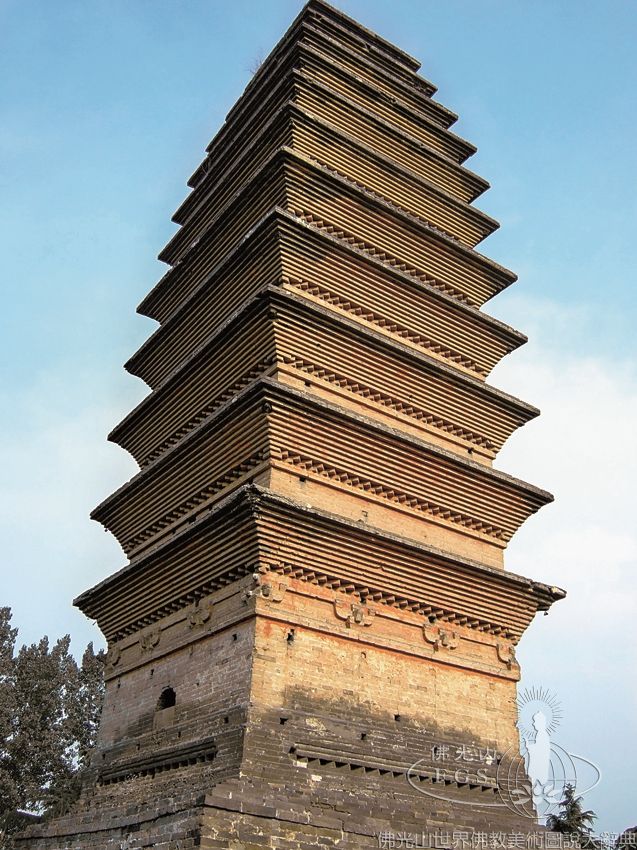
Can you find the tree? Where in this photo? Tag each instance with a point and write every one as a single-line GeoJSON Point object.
{"type": "Point", "coordinates": [9, 796]}
{"type": "Point", "coordinates": [49, 714]}
{"type": "Point", "coordinates": [572, 819]}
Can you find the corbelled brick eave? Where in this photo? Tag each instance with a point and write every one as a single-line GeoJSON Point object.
{"type": "Point", "coordinates": [252, 502]}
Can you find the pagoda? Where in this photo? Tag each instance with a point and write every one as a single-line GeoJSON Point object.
{"type": "Point", "coordinates": [313, 640]}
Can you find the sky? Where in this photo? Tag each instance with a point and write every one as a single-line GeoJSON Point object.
{"type": "Point", "coordinates": [105, 110]}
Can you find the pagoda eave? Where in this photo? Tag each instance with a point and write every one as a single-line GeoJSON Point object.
{"type": "Point", "coordinates": [309, 134]}
{"type": "Point", "coordinates": [317, 543]}
{"type": "Point", "coordinates": [360, 123]}
{"type": "Point", "coordinates": [357, 30]}
{"type": "Point", "coordinates": [429, 120]}
{"type": "Point", "coordinates": [296, 182]}
{"type": "Point", "coordinates": [272, 419]}
{"type": "Point", "coordinates": [358, 49]}
{"type": "Point", "coordinates": [428, 315]}
{"type": "Point", "coordinates": [425, 230]}
{"type": "Point", "coordinates": [259, 338]}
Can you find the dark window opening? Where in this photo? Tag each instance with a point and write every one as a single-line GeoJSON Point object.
{"type": "Point", "coordinates": [167, 699]}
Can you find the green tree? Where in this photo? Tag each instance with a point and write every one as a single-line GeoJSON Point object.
{"type": "Point", "coordinates": [49, 714]}
{"type": "Point", "coordinates": [9, 795]}
{"type": "Point", "coordinates": [572, 819]}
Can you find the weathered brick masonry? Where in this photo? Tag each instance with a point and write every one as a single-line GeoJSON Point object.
{"type": "Point", "coordinates": [315, 621]}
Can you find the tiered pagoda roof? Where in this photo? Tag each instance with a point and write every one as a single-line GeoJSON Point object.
{"type": "Point", "coordinates": [319, 405]}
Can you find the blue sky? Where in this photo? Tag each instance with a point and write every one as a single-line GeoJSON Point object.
{"type": "Point", "coordinates": [105, 109]}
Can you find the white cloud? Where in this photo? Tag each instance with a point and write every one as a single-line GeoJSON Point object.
{"type": "Point", "coordinates": [582, 448]}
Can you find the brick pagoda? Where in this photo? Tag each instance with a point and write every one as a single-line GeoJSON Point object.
{"type": "Point", "coordinates": [315, 628]}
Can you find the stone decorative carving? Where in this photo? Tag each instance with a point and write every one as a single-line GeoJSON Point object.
{"type": "Point", "coordinates": [353, 613]}
{"type": "Point", "coordinates": [506, 653]}
{"type": "Point", "coordinates": [113, 655]}
{"type": "Point", "coordinates": [272, 589]}
{"type": "Point", "coordinates": [198, 615]}
{"type": "Point", "coordinates": [149, 640]}
{"type": "Point", "coordinates": [439, 637]}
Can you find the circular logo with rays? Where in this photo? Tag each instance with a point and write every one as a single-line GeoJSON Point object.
{"type": "Point", "coordinates": [538, 700]}
{"type": "Point", "coordinates": [534, 781]}
{"type": "Point", "coordinates": [529, 779]}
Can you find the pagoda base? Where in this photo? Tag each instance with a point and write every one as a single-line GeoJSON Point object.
{"type": "Point", "coordinates": [244, 814]}
{"type": "Point", "coordinates": [303, 717]}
